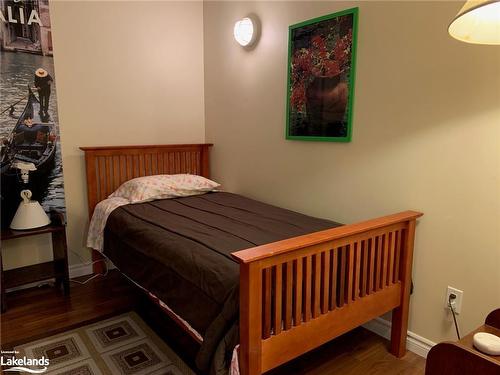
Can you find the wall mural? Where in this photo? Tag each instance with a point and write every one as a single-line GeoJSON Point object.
{"type": "Point", "coordinates": [29, 124]}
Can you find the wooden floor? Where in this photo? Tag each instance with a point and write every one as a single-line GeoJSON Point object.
{"type": "Point", "coordinates": [40, 312]}
{"type": "Point", "coordinates": [37, 313]}
{"type": "Point", "coordinates": [357, 352]}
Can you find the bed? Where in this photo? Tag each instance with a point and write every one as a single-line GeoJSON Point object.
{"type": "Point", "coordinates": [286, 290]}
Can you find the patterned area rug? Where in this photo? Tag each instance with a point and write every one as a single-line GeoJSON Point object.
{"type": "Point", "coordinates": [120, 345]}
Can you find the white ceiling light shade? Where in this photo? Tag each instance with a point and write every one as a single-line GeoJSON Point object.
{"type": "Point", "coordinates": [245, 31]}
{"type": "Point", "coordinates": [477, 22]}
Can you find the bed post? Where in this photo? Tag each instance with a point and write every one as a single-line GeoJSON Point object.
{"type": "Point", "coordinates": [400, 314]}
{"type": "Point", "coordinates": [250, 319]}
{"type": "Point", "coordinates": [90, 161]}
{"type": "Point", "coordinates": [205, 160]}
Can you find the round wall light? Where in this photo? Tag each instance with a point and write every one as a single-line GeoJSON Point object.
{"type": "Point", "coordinates": [245, 31]}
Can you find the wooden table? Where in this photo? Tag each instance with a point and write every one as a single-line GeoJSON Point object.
{"type": "Point", "coordinates": [461, 357]}
{"type": "Point", "coordinates": [56, 268]}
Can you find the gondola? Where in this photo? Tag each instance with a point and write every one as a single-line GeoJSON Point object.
{"type": "Point", "coordinates": [35, 145]}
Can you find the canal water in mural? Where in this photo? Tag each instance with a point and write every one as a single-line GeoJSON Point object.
{"type": "Point", "coordinates": [29, 122]}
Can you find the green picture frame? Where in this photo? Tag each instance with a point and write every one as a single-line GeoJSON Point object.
{"type": "Point", "coordinates": [321, 76]}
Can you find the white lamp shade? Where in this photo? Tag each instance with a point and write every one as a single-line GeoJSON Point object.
{"type": "Point", "coordinates": [244, 31]}
{"type": "Point", "coordinates": [477, 22]}
{"type": "Point", "coordinates": [29, 214]}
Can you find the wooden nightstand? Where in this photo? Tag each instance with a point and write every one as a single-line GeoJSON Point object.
{"type": "Point", "coordinates": [57, 268]}
{"type": "Point", "coordinates": [461, 357]}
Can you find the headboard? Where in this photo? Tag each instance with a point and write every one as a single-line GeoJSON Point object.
{"type": "Point", "coordinates": [109, 166]}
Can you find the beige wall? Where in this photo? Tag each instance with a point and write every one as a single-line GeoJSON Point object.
{"type": "Point", "coordinates": [126, 73]}
{"type": "Point", "coordinates": [426, 137]}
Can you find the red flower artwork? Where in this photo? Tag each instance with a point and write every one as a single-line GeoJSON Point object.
{"type": "Point", "coordinates": [328, 55]}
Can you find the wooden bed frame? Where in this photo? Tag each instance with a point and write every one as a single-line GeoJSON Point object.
{"type": "Point", "coordinates": [295, 294]}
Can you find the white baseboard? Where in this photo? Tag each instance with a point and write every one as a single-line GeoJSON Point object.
{"type": "Point", "coordinates": [414, 343]}
{"type": "Point", "coordinates": [77, 270]}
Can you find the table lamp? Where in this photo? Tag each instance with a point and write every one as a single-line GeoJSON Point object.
{"type": "Point", "coordinates": [29, 214]}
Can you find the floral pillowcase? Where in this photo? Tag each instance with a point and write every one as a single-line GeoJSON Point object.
{"type": "Point", "coordinates": [145, 189]}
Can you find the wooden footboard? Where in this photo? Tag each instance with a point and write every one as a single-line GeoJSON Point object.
{"type": "Point", "coordinates": [299, 293]}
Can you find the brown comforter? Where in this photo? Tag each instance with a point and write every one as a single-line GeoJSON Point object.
{"type": "Point", "coordinates": [180, 250]}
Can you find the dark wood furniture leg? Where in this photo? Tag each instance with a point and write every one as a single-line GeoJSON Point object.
{"type": "Point", "coordinates": [60, 252]}
{"type": "Point", "coordinates": [399, 327]}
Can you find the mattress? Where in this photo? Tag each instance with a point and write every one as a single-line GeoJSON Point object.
{"type": "Point", "coordinates": [180, 251]}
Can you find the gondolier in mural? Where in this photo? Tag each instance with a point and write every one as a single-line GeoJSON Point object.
{"type": "Point", "coordinates": [43, 80]}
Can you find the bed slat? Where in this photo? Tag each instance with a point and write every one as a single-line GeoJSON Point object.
{"type": "Point", "coordinates": [297, 313]}
{"type": "Point", "coordinates": [102, 178]}
{"type": "Point", "coordinates": [378, 277]}
{"type": "Point", "coordinates": [325, 303]}
{"type": "Point", "coordinates": [357, 270]}
{"type": "Point", "coordinates": [350, 272]}
{"type": "Point", "coordinates": [392, 245]}
{"type": "Point", "coordinates": [385, 260]}
{"type": "Point", "coordinates": [288, 294]}
{"type": "Point", "coordinates": [307, 289]}
{"type": "Point", "coordinates": [364, 266]}
{"type": "Point", "coordinates": [266, 303]}
{"type": "Point", "coordinates": [371, 272]}
{"type": "Point", "coordinates": [398, 254]}
{"type": "Point", "coordinates": [317, 285]}
{"type": "Point", "coordinates": [278, 290]}
{"type": "Point", "coordinates": [342, 275]}
{"type": "Point", "coordinates": [333, 279]}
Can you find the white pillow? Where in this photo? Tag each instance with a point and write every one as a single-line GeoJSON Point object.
{"type": "Point", "coordinates": [148, 188]}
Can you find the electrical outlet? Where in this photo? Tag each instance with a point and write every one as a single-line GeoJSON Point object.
{"type": "Point", "coordinates": [457, 302]}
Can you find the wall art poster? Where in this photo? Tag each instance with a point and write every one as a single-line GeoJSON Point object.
{"type": "Point", "coordinates": [321, 65]}
{"type": "Point", "coordinates": [29, 124]}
